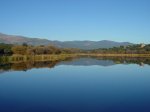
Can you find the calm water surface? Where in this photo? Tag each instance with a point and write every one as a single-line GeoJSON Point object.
{"type": "Point", "coordinates": [81, 85]}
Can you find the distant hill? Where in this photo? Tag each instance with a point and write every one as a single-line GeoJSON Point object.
{"type": "Point", "coordinates": [12, 39]}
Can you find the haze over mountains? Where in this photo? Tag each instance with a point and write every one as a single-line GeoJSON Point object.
{"type": "Point", "coordinates": [14, 39]}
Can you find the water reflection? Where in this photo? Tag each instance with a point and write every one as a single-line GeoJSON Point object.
{"type": "Point", "coordinates": [110, 86]}
{"type": "Point", "coordinates": [78, 61]}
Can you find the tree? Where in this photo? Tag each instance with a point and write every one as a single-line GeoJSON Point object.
{"type": "Point", "coordinates": [25, 44]}
{"type": "Point", "coordinates": [5, 49]}
{"type": "Point", "coordinates": [19, 50]}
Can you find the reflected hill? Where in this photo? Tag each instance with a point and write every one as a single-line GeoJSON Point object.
{"type": "Point", "coordinates": [76, 61]}
{"type": "Point", "coordinates": [88, 62]}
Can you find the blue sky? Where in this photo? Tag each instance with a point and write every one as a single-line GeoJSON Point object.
{"type": "Point", "coordinates": [116, 20]}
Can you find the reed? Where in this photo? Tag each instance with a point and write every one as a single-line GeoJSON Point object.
{"type": "Point", "coordinates": [24, 58]}
{"type": "Point", "coordinates": [116, 55]}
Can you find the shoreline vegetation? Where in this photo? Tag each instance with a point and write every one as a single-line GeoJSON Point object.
{"type": "Point", "coordinates": [61, 57]}
{"type": "Point", "coordinates": [24, 52]}
{"type": "Point", "coordinates": [24, 58]}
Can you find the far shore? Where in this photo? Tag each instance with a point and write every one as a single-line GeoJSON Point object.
{"type": "Point", "coordinates": [117, 55]}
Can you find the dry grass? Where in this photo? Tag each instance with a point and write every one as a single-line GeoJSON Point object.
{"type": "Point", "coordinates": [24, 58]}
{"type": "Point", "coordinates": [117, 55]}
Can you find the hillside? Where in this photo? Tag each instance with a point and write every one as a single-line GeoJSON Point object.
{"type": "Point", "coordinates": [12, 39]}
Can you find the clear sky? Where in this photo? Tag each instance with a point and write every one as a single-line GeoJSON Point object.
{"type": "Point", "coordinates": [116, 20]}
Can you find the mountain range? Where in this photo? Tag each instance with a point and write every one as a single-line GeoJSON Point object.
{"type": "Point", "coordinates": [15, 39]}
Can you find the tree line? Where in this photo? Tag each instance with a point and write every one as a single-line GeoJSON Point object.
{"type": "Point", "coordinates": [24, 49]}
{"type": "Point", "coordinates": [131, 49]}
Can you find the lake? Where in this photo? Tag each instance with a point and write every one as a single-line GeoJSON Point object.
{"type": "Point", "coordinates": [86, 84]}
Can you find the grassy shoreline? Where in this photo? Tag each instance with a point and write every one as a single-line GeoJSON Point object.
{"type": "Point", "coordinates": [24, 58]}
{"type": "Point", "coordinates": [117, 55]}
